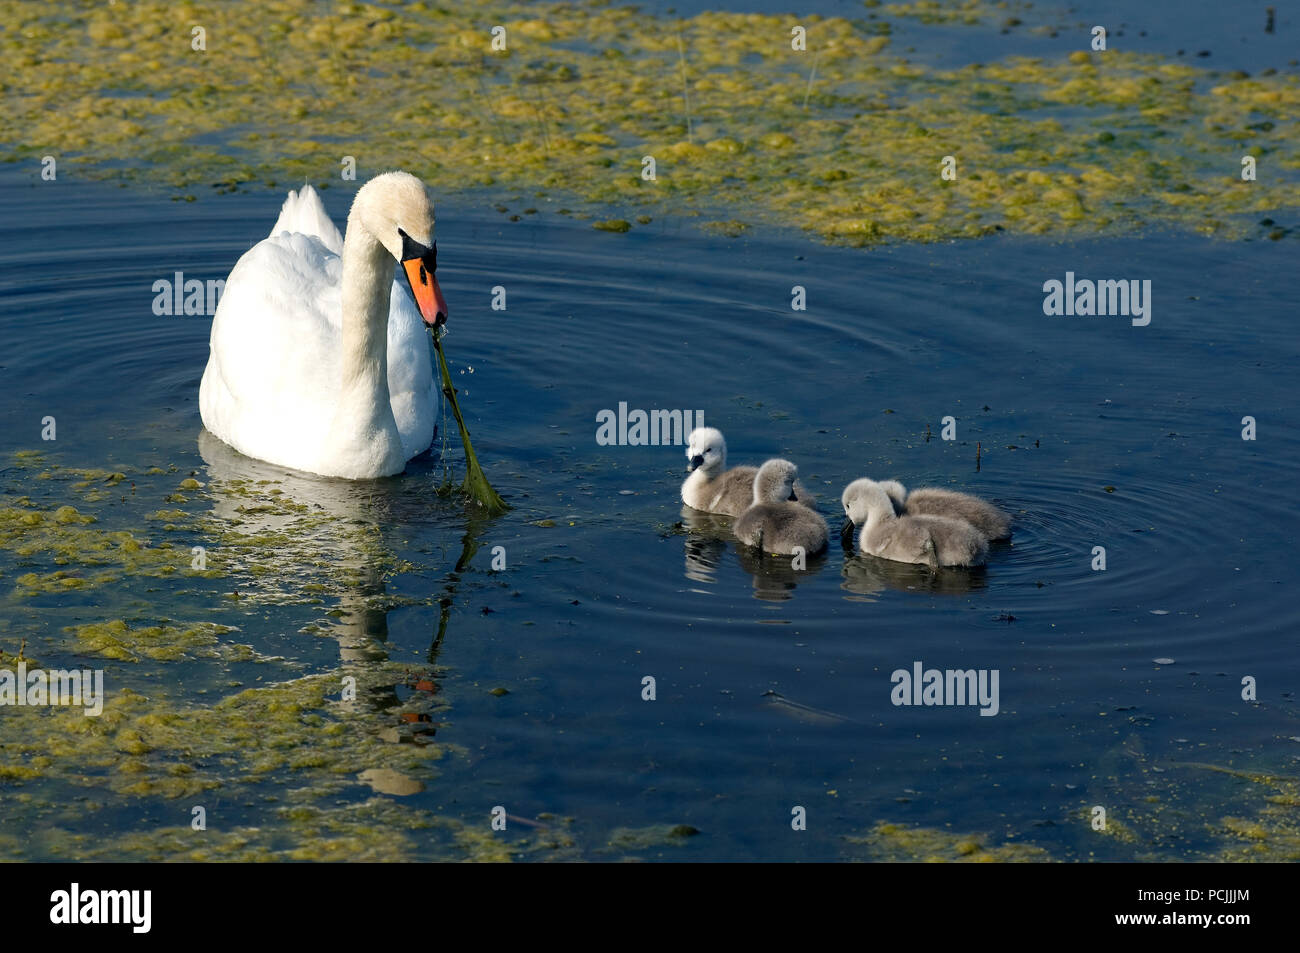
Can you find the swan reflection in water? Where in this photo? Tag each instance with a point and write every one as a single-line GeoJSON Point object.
{"type": "Point", "coordinates": [708, 538]}
{"type": "Point", "coordinates": [316, 532]}
{"type": "Point", "coordinates": [866, 575]}
{"type": "Point", "coordinates": [288, 536]}
{"type": "Point", "coordinates": [775, 577]}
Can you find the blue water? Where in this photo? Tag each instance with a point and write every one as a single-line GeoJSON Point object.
{"type": "Point", "coordinates": [773, 686]}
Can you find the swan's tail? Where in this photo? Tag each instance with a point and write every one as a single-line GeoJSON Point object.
{"type": "Point", "coordinates": [304, 212]}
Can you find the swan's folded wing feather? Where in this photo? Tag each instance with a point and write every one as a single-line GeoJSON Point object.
{"type": "Point", "coordinates": [269, 390]}
{"type": "Point", "coordinates": [304, 213]}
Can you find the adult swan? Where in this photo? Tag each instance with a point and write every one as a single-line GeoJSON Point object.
{"type": "Point", "coordinates": [318, 361]}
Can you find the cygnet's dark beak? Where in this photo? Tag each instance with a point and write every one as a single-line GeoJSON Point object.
{"type": "Point", "coordinates": [792, 497]}
{"type": "Point", "coordinates": [697, 461]}
{"type": "Point", "coordinates": [846, 531]}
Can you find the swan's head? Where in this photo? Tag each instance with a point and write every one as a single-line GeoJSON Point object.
{"type": "Point", "coordinates": [896, 492]}
{"type": "Point", "coordinates": [775, 482]}
{"type": "Point", "coordinates": [395, 208]}
{"type": "Point", "coordinates": [861, 499]}
{"type": "Point", "coordinates": [706, 448]}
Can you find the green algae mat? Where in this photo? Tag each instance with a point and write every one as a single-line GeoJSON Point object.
{"type": "Point", "coordinates": [738, 118]}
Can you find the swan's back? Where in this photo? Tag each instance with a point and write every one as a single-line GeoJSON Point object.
{"type": "Point", "coordinates": [781, 527]}
{"type": "Point", "coordinates": [992, 522]}
{"type": "Point", "coordinates": [956, 542]}
{"type": "Point", "coordinates": [730, 493]}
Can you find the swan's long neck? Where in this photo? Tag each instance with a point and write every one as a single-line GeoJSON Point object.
{"type": "Point", "coordinates": [367, 281]}
{"type": "Point", "coordinates": [363, 440]}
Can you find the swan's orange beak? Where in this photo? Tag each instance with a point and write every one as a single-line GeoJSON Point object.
{"type": "Point", "coordinates": [428, 296]}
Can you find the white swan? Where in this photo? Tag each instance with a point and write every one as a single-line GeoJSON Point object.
{"type": "Point", "coordinates": [992, 522]}
{"type": "Point", "coordinates": [774, 522]}
{"type": "Point", "coordinates": [927, 540]}
{"type": "Point", "coordinates": [319, 361]}
{"type": "Point", "coordinates": [711, 487]}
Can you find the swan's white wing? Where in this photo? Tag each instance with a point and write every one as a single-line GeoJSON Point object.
{"type": "Point", "coordinates": [304, 213]}
{"type": "Point", "coordinates": [410, 372]}
{"type": "Point", "coordinates": [272, 376]}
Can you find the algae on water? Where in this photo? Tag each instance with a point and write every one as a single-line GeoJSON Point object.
{"type": "Point", "coordinates": [850, 150]}
{"type": "Point", "coordinates": [901, 843]}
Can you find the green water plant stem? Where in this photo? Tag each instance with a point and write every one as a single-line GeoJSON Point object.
{"type": "Point", "coordinates": [476, 485]}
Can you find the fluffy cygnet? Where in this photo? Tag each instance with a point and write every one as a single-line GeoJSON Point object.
{"type": "Point", "coordinates": [711, 487]}
{"type": "Point", "coordinates": [776, 523]}
{"type": "Point", "coordinates": [927, 540]}
{"type": "Point", "coordinates": [992, 522]}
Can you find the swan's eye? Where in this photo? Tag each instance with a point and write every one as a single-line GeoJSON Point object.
{"type": "Point", "coordinates": [413, 250]}
{"type": "Point", "coordinates": [418, 266]}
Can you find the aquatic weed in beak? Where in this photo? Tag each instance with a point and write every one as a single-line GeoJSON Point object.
{"type": "Point", "coordinates": [419, 263]}
{"type": "Point", "coordinates": [476, 485]}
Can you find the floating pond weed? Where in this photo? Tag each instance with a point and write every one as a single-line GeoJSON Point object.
{"type": "Point", "coordinates": [901, 843]}
{"type": "Point", "coordinates": [1124, 140]}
